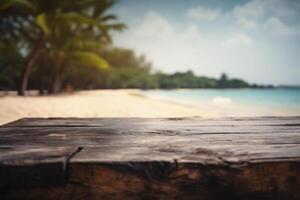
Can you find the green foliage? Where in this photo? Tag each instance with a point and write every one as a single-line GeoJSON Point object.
{"type": "Point", "coordinates": [10, 66]}
{"type": "Point", "coordinates": [72, 32]}
{"type": "Point", "coordinates": [225, 82]}
{"type": "Point", "coordinates": [85, 58]}
{"type": "Point", "coordinates": [130, 78]}
{"type": "Point", "coordinates": [42, 22]}
{"type": "Point", "coordinates": [185, 80]}
{"type": "Point", "coordinates": [5, 4]}
{"type": "Point", "coordinates": [189, 80]}
{"type": "Point", "coordinates": [128, 70]}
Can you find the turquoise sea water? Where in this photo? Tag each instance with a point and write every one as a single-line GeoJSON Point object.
{"type": "Point", "coordinates": [266, 98]}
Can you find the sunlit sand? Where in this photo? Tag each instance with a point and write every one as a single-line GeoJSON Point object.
{"type": "Point", "coordinates": [96, 103]}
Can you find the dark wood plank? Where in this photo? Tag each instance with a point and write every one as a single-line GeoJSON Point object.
{"type": "Point", "coordinates": [182, 139]}
{"type": "Point", "coordinates": [179, 158]}
{"type": "Point", "coordinates": [98, 122]}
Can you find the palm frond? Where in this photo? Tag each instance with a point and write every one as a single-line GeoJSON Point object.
{"type": "Point", "coordinates": [114, 26]}
{"type": "Point", "coordinates": [5, 4]}
{"type": "Point", "coordinates": [108, 17]}
{"type": "Point", "coordinates": [85, 58]}
{"type": "Point", "coordinates": [78, 18]}
{"type": "Point", "coordinates": [83, 44]}
{"type": "Point", "coordinates": [42, 22]}
{"type": "Point", "coordinates": [25, 3]}
{"type": "Point", "coordinates": [102, 6]}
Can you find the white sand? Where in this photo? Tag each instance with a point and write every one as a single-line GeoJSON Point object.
{"type": "Point", "coordinates": [97, 103]}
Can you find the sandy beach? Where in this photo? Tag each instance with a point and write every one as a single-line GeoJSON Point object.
{"type": "Point", "coordinates": [96, 103]}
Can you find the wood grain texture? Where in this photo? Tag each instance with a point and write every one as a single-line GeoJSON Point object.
{"type": "Point", "coordinates": [177, 158]}
{"type": "Point", "coordinates": [29, 167]}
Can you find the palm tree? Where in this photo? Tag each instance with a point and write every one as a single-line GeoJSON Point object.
{"type": "Point", "coordinates": [74, 54]}
{"type": "Point", "coordinates": [77, 43]}
{"type": "Point", "coordinates": [48, 24]}
{"type": "Point", "coordinates": [16, 24]}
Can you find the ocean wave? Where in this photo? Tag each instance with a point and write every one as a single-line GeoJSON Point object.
{"type": "Point", "coordinates": [222, 100]}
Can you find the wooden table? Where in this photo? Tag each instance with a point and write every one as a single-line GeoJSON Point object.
{"type": "Point", "coordinates": [136, 158]}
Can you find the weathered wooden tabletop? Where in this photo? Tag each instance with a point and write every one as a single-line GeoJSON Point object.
{"type": "Point", "coordinates": [136, 158]}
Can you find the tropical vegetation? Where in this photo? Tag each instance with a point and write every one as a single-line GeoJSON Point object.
{"type": "Point", "coordinates": [60, 32]}
{"type": "Point", "coordinates": [50, 45]}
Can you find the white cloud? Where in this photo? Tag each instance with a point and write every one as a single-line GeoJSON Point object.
{"type": "Point", "coordinates": [267, 15]}
{"type": "Point", "coordinates": [153, 24]}
{"type": "Point", "coordinates": [276, 27]}
{"type": "Point", "coordinates": [171, 48]}
{"type": "Point", "coordinates": [156, 30]}
{"type": "Point", "coordinates": [247, 23]}
{"type": "Point", "coordinates": [162, 43]}
{"type": "Point", "coordinates": [247, 15]}
{"type": "Point", "coordinates": [252, 9]}
{"type": "Point", "coordinates": [283, 8]}
{"type": "Point", "coordinates": [203, 14]}
{"type": "Point", "coordinates": [239, 40]}
{"type": "Point", "coordinates": [255, 9]}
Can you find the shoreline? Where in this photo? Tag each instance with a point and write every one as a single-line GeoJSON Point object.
{"type": "Point", "coordinates": [222, 105]}
{"type": "Point", "coordinates": [123, 103]}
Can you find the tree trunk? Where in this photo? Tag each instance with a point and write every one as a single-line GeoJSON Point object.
{"type": "Point", "coordinates": [58, 76]}
{"type": "Point", "coordinates": [28, 64]}
{"type": "Point", "coordinates": [42, 88]}
{"type": "Point", "coordinates": [56, 86]}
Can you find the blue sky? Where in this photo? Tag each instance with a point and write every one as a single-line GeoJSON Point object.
{"type": "Point", "coordinates": [257, 40]}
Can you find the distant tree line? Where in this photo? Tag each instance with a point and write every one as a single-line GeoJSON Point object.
{"type": "Point", "coordinates": [127, 70]}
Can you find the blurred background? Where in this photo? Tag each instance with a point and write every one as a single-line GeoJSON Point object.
{"type": "Point", "coordinates": [138, 58]}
